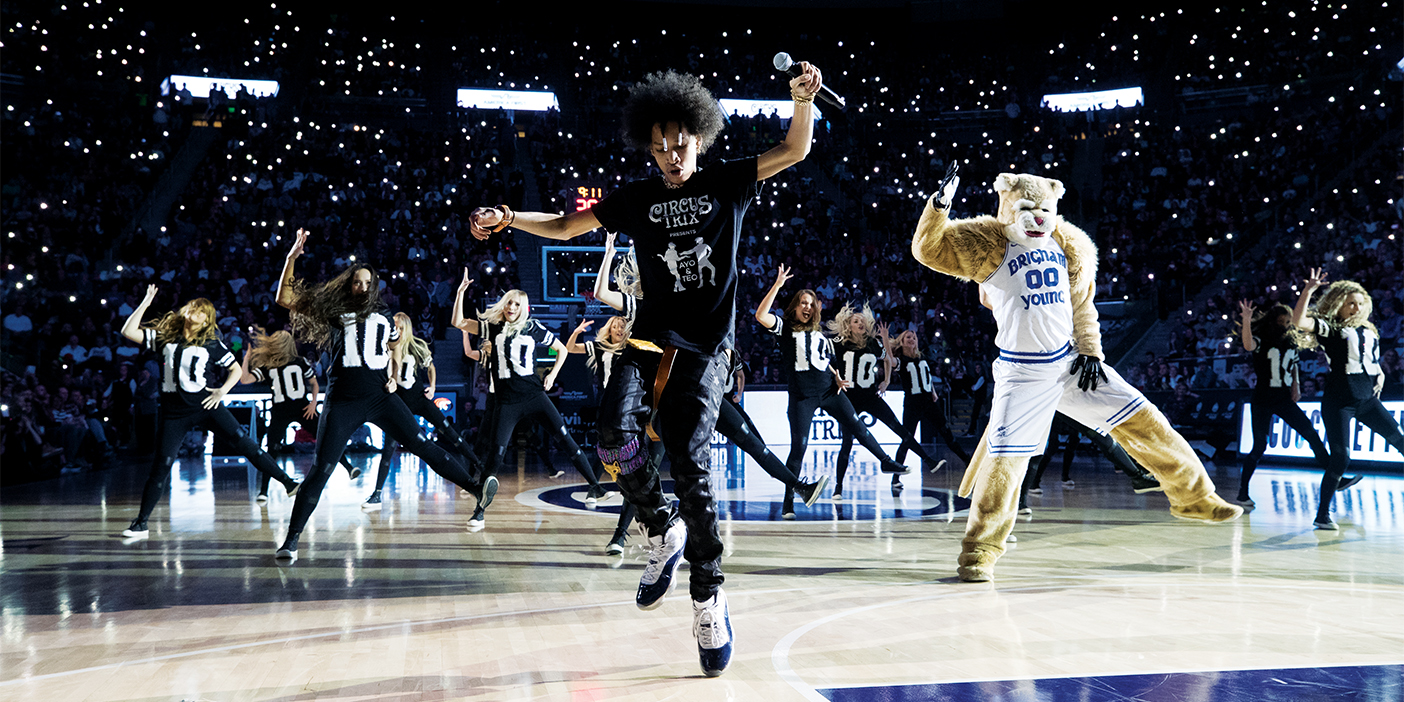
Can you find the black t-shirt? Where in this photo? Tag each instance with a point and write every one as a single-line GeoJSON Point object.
{"type": "Point", "coordinates": [1274, 365]}
{"type": "Point", "coordinates": [360, 352]}
{"type": "Point", "coordinates": [409, 378]}
{"type": "Point", "coordinates": [861, 366]}
{"type": "Point", "coordinates": [1354, 354]}
{"type": "Point", "coordinates": [599, 359]}
{"type": "Point", "coordinates": [685, 240]}
{"type": "Point", "coordinates": [806, 357]}
{"type": "Point", "coordinates": [915, 376]}
{"type": "Point", "coordinates": [513, 360]}
{"type": "Point", "coordinates": [187, 371]}
{"type": "Point", "coordinates": [291, 383]}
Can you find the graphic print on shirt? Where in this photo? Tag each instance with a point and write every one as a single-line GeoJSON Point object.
{"type": "Point", "coordinates": [692, 265]}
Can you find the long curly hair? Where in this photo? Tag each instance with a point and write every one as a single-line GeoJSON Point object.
{"type": "Point", "coordinates": [838, 326]}
{"type": "Point", "coordinates": [602, 337]}
{"type": "Point", "coordinates": [813, 323]}
{"type": "Point", "coordinates": [316, 310]}
{"type": "Point", "coordinates": [409, 343]}
{"type": "Point", "coordinates": [1328, 307]}
{"type": "Point", "coordinates": [270, 350]}
{"type": "Point", "coordinates": [669, 96]}
{"type": "Point", "coordinates": [626, 276]}
{"type": "Point", "coordinates": [170, 327]}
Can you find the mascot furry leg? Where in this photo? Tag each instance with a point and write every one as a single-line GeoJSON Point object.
{"type": "Point", "coordinates": [1150, 439]}
{"type": "Point", "coordinates": [992, 484]}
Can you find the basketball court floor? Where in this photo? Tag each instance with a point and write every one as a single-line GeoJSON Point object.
{"type": "Point", "coordinates": [1105, 596]}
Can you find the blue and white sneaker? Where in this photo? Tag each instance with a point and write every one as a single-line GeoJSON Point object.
{"type": "Point", "coordinates": [711, 624]}
{"type": "Point", "coordinates": [664, 557]}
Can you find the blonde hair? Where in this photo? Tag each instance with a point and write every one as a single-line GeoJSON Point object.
{"type": "Point", "coordinates": [838, 326]}
{"type": "Point", "coordinates": [270, 350]}
{"type": "Point", "coordinates": [897, 344]}
{"type": "Point", "coordinates": [627, 275]}
{"type": "Point", "coordinates": [416, 346]}
{"type": "Point", "coordinates": [1328, 306]}
{"type": "Point", "coordinates": [602, 338]}
{"type": "Point", "coordinates": [171, 326]}
{"type": "Point", "coordinates": [497, 314]}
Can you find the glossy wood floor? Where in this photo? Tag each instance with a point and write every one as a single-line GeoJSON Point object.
{"type": "Point", "coordinates": [1105, 596]}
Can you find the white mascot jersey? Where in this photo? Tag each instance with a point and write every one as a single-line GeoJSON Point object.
{"type": "Point", "coordinates": [1032, 302]}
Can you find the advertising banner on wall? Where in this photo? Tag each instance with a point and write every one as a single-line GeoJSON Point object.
{"type": "Point", "coordinates": [1365, 445]}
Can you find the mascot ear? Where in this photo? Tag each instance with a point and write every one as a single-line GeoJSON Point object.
{"type": "Point", "coordinates": [1006, 182]}
{"type": "Point", "coordinates": [1057, 189]}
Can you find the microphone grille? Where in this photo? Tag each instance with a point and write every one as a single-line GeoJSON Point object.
{"type": "Point", "coordinates": [783, 61]}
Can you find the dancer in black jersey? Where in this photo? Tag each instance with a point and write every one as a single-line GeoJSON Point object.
{"type": "Point", "coordinates": [410, 362]}
{"type": "Point", "coordinates": [1141, 479]}
{"type": "Point", "coordinates": [188, 343]}
{"type": "Point", "coordinates": [344, 317]}
{"type": "Point", "coordinates": [1340, 324]}
{"type": "Point", "coordinates": [814, 383]}
{"type": "Point", "coordinates": [512, 338]}
{"type": "Point", "coordinates": [1274, 343]}
{"type": "Point", "coordinates": [273, 357]}
{"type": "Point", "coordinates": [860, 355]}
{"type": "Point", "coordinates": [921, 407]}
{"type": "Point", "coordinates": [674, 361]}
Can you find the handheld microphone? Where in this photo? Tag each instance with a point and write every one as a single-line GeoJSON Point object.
{"type": "Point", "coordinates": [784, 63]}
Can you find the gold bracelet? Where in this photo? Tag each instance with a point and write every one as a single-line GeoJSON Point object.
{"type": "Point", "coordinates": [508, 217]}
{"type": "Point", "coordinates": [802, 100]}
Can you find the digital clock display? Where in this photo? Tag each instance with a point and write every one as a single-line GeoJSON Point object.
{"type": "Point", "coordinates": [586, 196]}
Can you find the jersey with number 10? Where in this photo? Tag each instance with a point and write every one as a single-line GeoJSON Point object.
{"type": "Point", "coordinates": [1031, 299]}
{"type": "Point", "coordinates": [861, 366]}
{"type": "Point", "coordinates": [513, 362]}
{"type": "Point", "coordinates": [291, 383]}
{"type": "Point", "coordinates": [187, 372]}
{"type": "Point", "coordinates": [360, 351]}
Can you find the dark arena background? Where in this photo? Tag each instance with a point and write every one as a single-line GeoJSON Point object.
{"type": "Point", "coordinates": [1214, 153]}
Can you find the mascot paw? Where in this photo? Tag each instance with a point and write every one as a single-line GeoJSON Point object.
{"type": "Point", "coordinates": [977, 566]}
{"type": "Point", "coordinates": [1210, 508]}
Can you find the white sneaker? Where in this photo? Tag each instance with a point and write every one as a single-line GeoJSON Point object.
{"type": "Point", "coordinates": [711, 624]}
{"type": "Point", "coordinates": [1068, 484]}
{"type": "Point", "coordinates": [664, 557]}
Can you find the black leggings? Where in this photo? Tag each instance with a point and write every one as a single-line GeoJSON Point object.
{"type": "Point", "coordinates": [1064, 425]}
{"type": "Point", "coordinates": [341, 419]}
{"type": "Point", "coordinates": [1263, 410]}
{"type": "Point", "coordinates": [280, 417]}
{"type": "Point", "coordinates": [1337, 412]}
{"type": "Point", "coordinates": [873, 404]}
{"type": "Point", "coordinates": [171, 430]}
{"type": "Point", "coordinates": [922, 410]}
{"type": "Point", "coordinates": [539, 405]}
{"type": "Point", "coordinates": [836, 404]}
{"type": "Point", "coordinates": [418, 404]}
{"type": "Point", "coordinates": [736, 425]}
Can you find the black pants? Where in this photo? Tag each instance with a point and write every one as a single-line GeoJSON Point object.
{"type": "Point", "coordinates": [1064, 425]}
{"type": "Point", "coordinates": [873, 404]}
{"type": "Point", "coordinates": [801, 413]}
{"type": "Point", "coordinates": [736, 425]}
{"type": "Point", "coordinates": [341, 419]}
{"type": "Point", "coordinates": [1337, 412]}
{"type": "Point", "coordinates": [687, 414]}
{"type": "Point", "coordinates": [424, 407]}
{"type": "Point", "coordinates": [171, 430]}
{"type": "Point", "coordinates": [1264, 407]}
{"type": "Point", "coordinates": [509, 414]}
{"type": "Point", "coordinates": [280, 417]}
{"type": "Point", "coordinates": [921, 410]}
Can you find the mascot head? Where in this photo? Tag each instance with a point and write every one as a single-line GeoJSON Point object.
{"type": "Point", "coordinates": [1028, 207]}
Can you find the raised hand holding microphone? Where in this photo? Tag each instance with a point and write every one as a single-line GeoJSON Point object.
{"type": "Point", "coordinates": [802, 69]}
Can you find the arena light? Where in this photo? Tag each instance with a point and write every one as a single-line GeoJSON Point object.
{"type": "Point", "coordinates": [491, 99]}
{"type": "Point", "coordinates": [1096, 100]}
{"type": "Point", "coordinates": [785, 109]}
{"type": "Point", "coordinates": [199, 86]}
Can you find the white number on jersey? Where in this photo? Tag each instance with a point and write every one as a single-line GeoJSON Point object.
{"type": "Point", "coordinates": [370, 352]}
{"type": "Point", "coordinates": [1282, 367]}
{"type": "Point", "coordinates": [920, 376]}
{"type": "Point", "coordinates": [192, 368]}
{"type": "Point", "coordinates": [288, 384]}
{"type": "Point", "coordinates": [867, 370]}
{"type": "Point", "coordinates": [515, 355]}
{"type": "Point", "coordinates": [810, 351]}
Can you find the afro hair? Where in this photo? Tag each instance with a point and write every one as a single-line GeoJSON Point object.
{"type": "Point", "coordinates": [669, 96]}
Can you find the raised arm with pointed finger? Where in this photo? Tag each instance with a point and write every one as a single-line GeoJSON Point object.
{"type": "Point", "coordinates": [1300, 318]}
{"type": "Point", "coordinates": [602, 292]}
{"type": "Point", "coordinates": [132, 328]}
{"type": "Point", "coordinates": [286, 294]}
{"type": "Point", "coordinates": [469, 326]}
{"type": "Point", "coordinates": [763, 313]}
